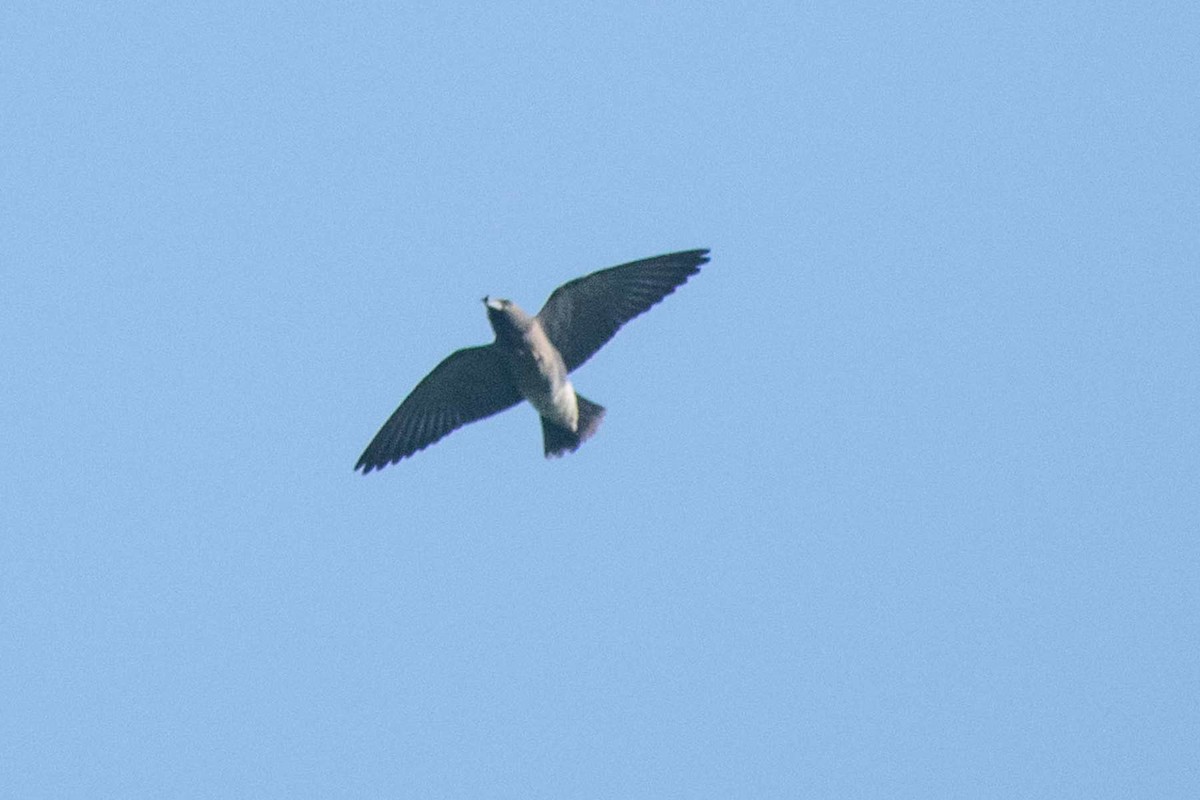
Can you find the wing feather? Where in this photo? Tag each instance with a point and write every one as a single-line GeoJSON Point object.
{"type": "Point", "coordinates": [469, 385]}
{"type": "Point", "coordinates": [582, 315]}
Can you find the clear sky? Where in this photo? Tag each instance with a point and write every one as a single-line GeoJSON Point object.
{"type": "Point", "coordinates": [898, 497]}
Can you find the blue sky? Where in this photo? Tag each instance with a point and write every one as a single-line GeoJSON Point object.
{"type": "Point", "coordinates": [897, 498]}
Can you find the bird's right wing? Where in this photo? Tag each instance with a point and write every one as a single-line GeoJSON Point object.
{"type": "Point", "coordinates": [468, 385]}
{"type": "Point", "coordinates": [583, 314]}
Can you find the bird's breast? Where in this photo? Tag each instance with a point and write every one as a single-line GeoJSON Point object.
{"type": "Point", "coordinates": [541, 377]}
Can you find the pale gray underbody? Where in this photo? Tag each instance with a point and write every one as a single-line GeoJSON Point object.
{"type": "Point", "coordinates": [537, 367]}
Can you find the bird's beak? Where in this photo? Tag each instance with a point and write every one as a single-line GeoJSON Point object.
{"type": "Point", "coordinates": [495, 305]}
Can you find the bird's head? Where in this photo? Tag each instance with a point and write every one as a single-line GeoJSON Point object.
{"type": "Point", "coordinates": [508, 320]}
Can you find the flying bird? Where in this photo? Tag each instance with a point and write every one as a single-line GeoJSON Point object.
{"type": "Point", "coordinates": [530, 360]}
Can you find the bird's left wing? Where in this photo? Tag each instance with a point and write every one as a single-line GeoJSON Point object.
{"type": "Point", "coordinates": [580, 316]}
{"type": "Point", "coordinates": [468, 385]}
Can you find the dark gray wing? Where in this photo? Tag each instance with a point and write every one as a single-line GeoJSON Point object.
{"type": "Point", "coordinates": [469, 385]}
{"type": "Point", "coordinates": [582, 315]}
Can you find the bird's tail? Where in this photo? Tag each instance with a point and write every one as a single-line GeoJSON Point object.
{"type": "Point", "coordinates": [558, 440]}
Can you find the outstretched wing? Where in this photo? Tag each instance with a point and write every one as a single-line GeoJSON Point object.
{"type": "Point", "coordinates": [582, 315]}
{"type": "Point", "coordinates": [468, 385]}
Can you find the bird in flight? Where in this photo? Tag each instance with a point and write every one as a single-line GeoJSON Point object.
{"type": "Point", "coordinates": [530, 360]}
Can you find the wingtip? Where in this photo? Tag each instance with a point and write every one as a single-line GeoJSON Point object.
{"type": "Point", "coordinates": [368, 464]}
{"type": "Point", "coordinates": [698, 257]}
